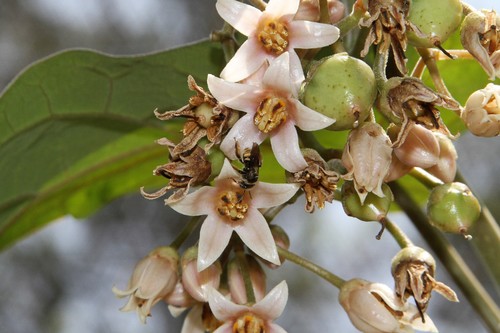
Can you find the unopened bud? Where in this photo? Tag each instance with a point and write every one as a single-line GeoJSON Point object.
{"type": "Point", "coordinates": [236, 280]}
{"type": "Point", "coordinates": [453, 208]}
{"type": "Point", "coordinates": [367, 158]}
{"type": "Point", "coordinates": [420, 147]}
{"type": "Point", "coordinates": [196, 283]}
{"type": "Point", "coordinates": [446, 167]}
{"type": "Point", "coordinates": [482, 111]}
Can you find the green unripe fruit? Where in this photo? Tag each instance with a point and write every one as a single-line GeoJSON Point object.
{"type": "Point", "coordinates": [453, 208]}
{"type": "Point", "coordinates": [340, 87]}
{"type": "Point", "coordinates": [437, 19]}
{"type": "Point", "coordinates": [374, 208]}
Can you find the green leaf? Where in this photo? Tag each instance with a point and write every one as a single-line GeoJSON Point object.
{"type": "Point", "coordinates": [77, 130]}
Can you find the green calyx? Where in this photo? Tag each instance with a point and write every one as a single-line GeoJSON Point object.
{"type": "Point", "coordinates": [374, 208]}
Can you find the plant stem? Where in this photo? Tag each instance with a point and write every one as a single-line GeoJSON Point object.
{"type": "Point", "coordinates": [318, 270]}
{"type": "Point", "coordinates": [226, 37]}
{"type": "Point", "coordinates": [188, 230]}
{"type": "Point", "coordinates": [245, 272]}
{"type": "Point", "coordinates": [429, 58]}
{"type": "Point", "coordinates": [458, 269]}
{"type": "Point", "coordinates": [396, 232]}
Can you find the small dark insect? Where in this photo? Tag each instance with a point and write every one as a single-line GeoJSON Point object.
{"type": "Point", "coordinates": [252, 161]}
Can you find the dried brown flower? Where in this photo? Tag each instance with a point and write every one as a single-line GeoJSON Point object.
{"type": "Point", "coordinates": [317, 181]}
{"type": "Point", "coordinates": [408, 99]}
{"type": "Point", "coordinates": [188, 169]}
{"type": "Point", "coordinates": [205, 117]}
{"type": "Point", "coordinates": [388, 26]}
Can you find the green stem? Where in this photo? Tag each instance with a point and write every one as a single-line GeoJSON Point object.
{"type": "Point", "coordinates": [352, 20]}
{"type": "Point", "coordinates": [399, 236]}
{"type": "Point", "coordinates": [431, 64]}
{"type": "Point", "coordinates": [379, 68]}
{"type": "Point", "coordinates": [318, 270]}
{"type": "Point", "coordinates": [188, 230]}
{"type": "Point", "coordinates": [245, 272]}
{"type": "Point", "coordinates": [455, 265]}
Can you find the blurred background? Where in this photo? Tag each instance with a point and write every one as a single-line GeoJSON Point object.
{"type": "Point", "coordinates": [60, 279]}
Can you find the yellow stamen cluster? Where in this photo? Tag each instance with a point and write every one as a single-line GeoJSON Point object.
{"type": "Point", "coordinates": [274, 37]}
{"type": "Point", "coordinates": [271, 112]}
{"type": "Point", "coordinates": [232, 205]}
{"type": "Point", "coordinates": [249, 323]}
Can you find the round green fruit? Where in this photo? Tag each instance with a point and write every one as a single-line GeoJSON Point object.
{"type": "Point", "coordinates": [437, 19]}
{"type": "Point", "coordinates": [453, 208]}
{"type": "Point", "coordinates": [340, 87]}
{"type": "Point", "coordinates": [374, 208]}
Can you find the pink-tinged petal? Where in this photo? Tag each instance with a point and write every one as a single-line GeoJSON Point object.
{"type": "Point", "coordinates": [243, 97]}
{"type": "Point", "coordinates": [245, 132]}
{"type": "Point", "coordinates": [214, 237]}
{"type": "Point", "coordinates": [192, 322]}
{"type": "Point", "coordinates": [227, 171]}
{"type": "Point", "coordinates": [255, 233]}
{"type": "Point", "coordinates": [273, 328]}
{"type": "Point", "coordinates": [285, 144]}
{"type": "Point", "coordinates": [225, 328]}
{"type": "Point", "coordinates": [222, 308]}
{"type": "Point", "coordinates": [310, 35]}
{"type": "Point", "coordinates": [196, 203]}
{"type": "Point", "coordinates": [265, 195]}
{"type": "Point", "coordinates": [247, 60]}
{"type": "Point", "coordinates": [277, 75]}
{"type": "Point", "coordinates": [242, 17]}
{"type": "Point", "coordinates": [277, 8]}
{"type": "Point", "coordinates": [309, 120]}
{"type": "Point", "coordinates": [296, 72]}
{"type": "Point", "coordinates": [272, 306]}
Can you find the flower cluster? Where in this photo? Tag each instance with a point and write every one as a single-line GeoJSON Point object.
{"type": "Point", "coordinates": [262, 99]}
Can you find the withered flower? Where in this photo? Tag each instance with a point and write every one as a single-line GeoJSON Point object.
{"type": "Point", "coordinates": [480, 35]}
{"type": "Point", "coordinates": [482, 111]}
{"type": "Point", "coordinates": [413, 270]}
{"type": "Point", "coordinates": [317, 181]}
{"type": "Point", "coordinates": [205, 117]}
{"type": "Point", "coordinates": [184, 170]}
{"type": "Point", "coordinates": [409, 100]}
{"type": "Point", "coordinates": [388, 26]}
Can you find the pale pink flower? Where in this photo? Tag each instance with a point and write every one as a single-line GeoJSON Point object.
{"type": "Point", "coordinates": [375, 308]}
{"type": "Point", "coordinates": [271, 33]}
{"type": "Point", "coordinates": [230, 208]}
{"type": "Point", "coordinates": [258, 316]}
{"type": "Point", "coordinates": [272, 109]}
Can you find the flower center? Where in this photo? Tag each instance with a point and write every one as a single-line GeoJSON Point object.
{"type": "Point", "coordinates": [248, 323]}
{"type": "Point", "coordinates": [232, 206]}
{"type": "Point", "coordinates": [492, 107]}
{"type": "Point", "coordinates": [272, 111]}
{"type": "Point", "coordinates": [274, 37]}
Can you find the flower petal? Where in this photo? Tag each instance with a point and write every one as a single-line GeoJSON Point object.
{"type": "Point", "coordinates": [265, 195]}
{"type": "Point", "coordinates": [277, 76]}
{"type": "Point", "coordinates": [227, 171]}
{"type": "Point", "coordinates": [277, 8]}
{"type": "Point", "coordinates": [242, 17]}
{"type": "Point", "coordinates": [272, 306]}
{"type": "Point", "coordinates": [309, 120]}
{"type": "Point", "coordinates": [238, 96]}
{"type": "Point", "coordinates": [222, 308]}
{"type": "Point", "coordinates": [214, 237]}
{"type": "Point", "coordinates": [247, 60]}
{"type": "Point", "coordinates": [296, 72]}
{"type": "Point", "coordinates": [196, 203]}
{"type": "Point", "coordinates": [255, 233]}
{"type": "Point", "coordinates": [192, 322]}
{"type": "Point", "coordinates": [225, 328]}
{"type": "Point", "coordinates": [285, 144]}
{"type": "Point", "coordinates": [310, 35]}
{"type": "Point", "coordinates": [245, 132]}
{"type": "Point", "coordinates": [273, 328]}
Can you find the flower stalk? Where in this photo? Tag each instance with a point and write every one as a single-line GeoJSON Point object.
{"type": "Point", "coordinates": [186, 232]}
{"type": "Point", "coordinates": [397, 233]}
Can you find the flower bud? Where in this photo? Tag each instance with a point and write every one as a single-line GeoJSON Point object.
{"type": "Point", "coordinates": [179, 298]}
{"type": "Point", "coordinates": [282, 240]}
{"type": "Point", "coordinates": [373, 307]}
{"type": "Point", "coordinates": [482, 111]}
{"type": "Point", "coordinates": [308, 11]}
{"type": "Point", "coordinates": [195, 282]}
{"type": "Point", "coordinates": [420, 148]}
{"type": "Point", "coordinates": [367, 158]}
{"type": "Point", "coordinates": [453, 208]}
{"type": "Point", "coordinates": [437, 19]}
{"type": "Point", "coordinates": [397, 169]}
{"type": "Point", "coordinates": [340, 87]}
{"type": "Point", "coordinates": [479, 35]}
{"type": "Point", "coordinates": [446, 167]}
{"type": "Point", "coordinates": [154, 277]}
{"type": "Point", "coordinates": [236, 280]}
{"type": "Point", "coordinates": [413, 270]}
